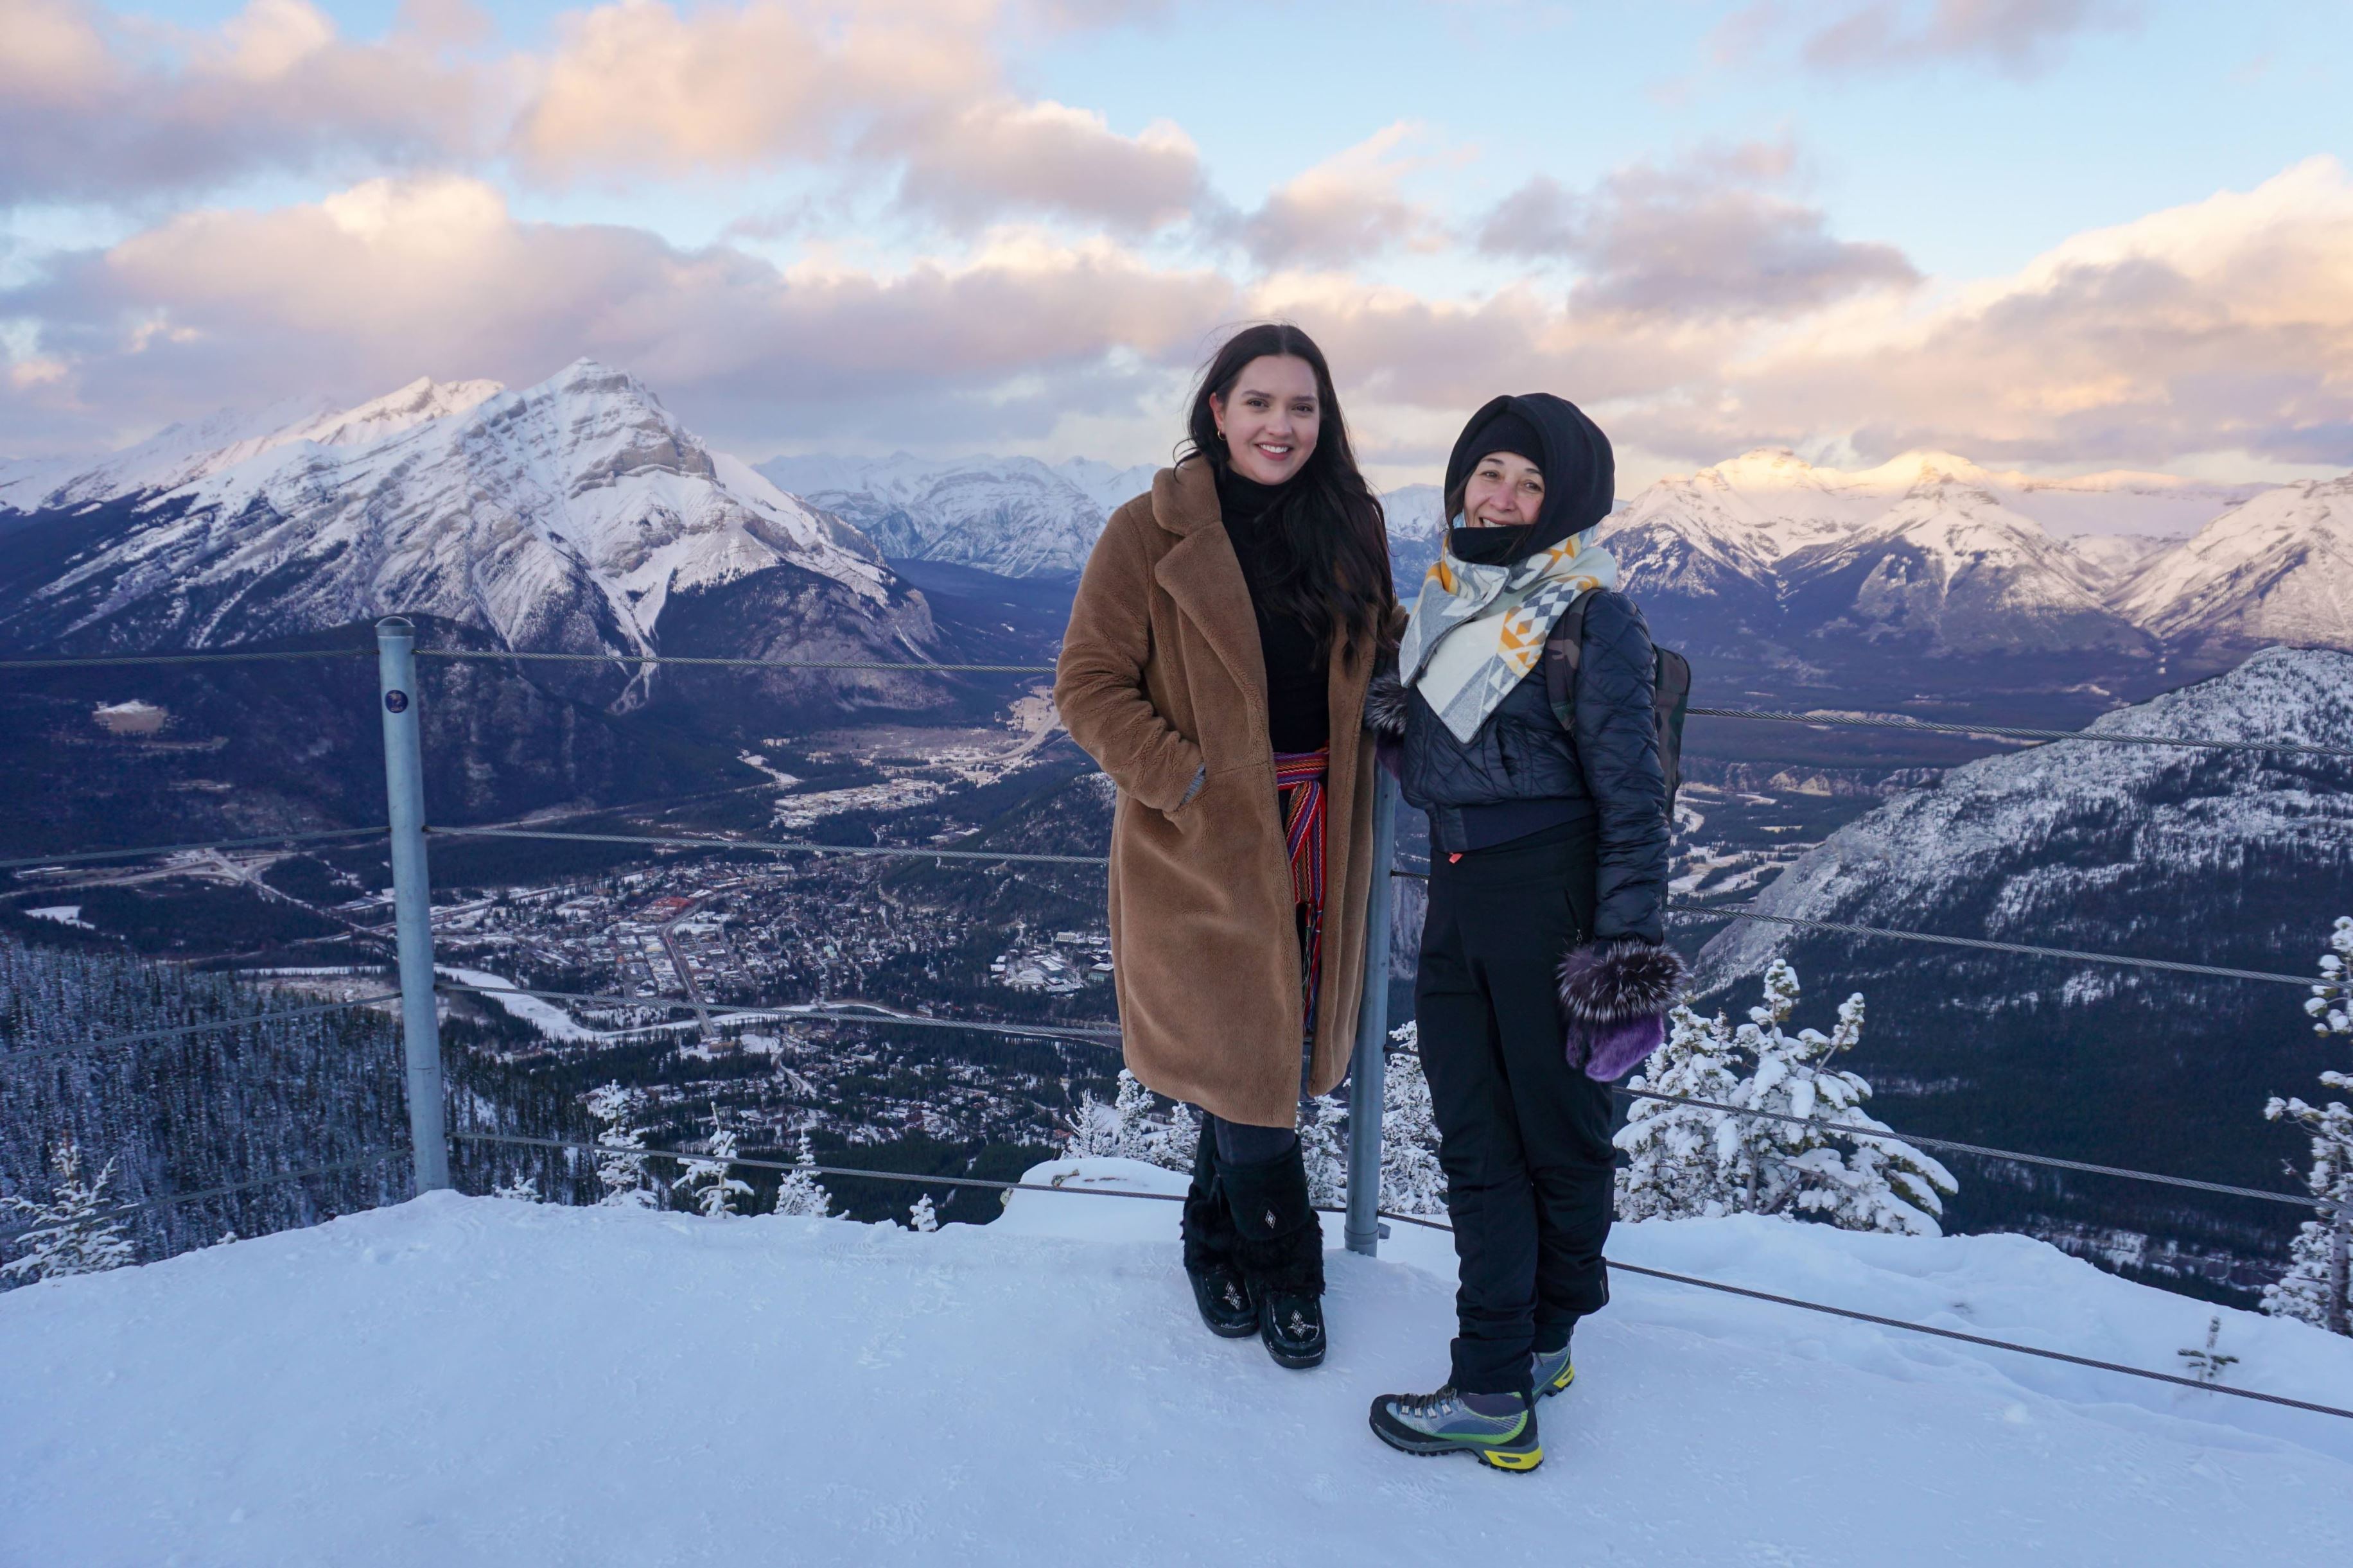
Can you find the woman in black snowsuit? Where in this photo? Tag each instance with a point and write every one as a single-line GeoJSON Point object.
{"type": "Point", "coordinates": [1544, 974]}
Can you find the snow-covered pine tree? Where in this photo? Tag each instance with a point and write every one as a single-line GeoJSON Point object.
{"type": "Point", "coordinates": [1411, 1180]}
{"type": "Point", "coordinates": [1324, 1147]}
{"type": "Point", "coordinates": [801, 1195]}
{"type": "Point", "coordinates": [2314, 1289]}
{"type": "Point", "coordinates": [1131, 1128]}
{"type": "Point", "coordinates": [921, 1216]}
{"type": "Point", "coordinates": [522, 1190]}
{"type": "Point", "coordinates": [1676, 1155]}
{"type": "Point", "coordinates": [1754, 1164]}
{"type": "Point", "coordinates": [710, 1184]}
{"type": "Point", "coordinates": [72, 1232]}
{"type": "Point", "coordinates": [627, 1182]}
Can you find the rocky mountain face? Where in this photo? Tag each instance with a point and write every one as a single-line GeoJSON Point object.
{"type": "Point", "coordinates": [1014, 516]}
{"type": "Point", "coordinates": [2234, 859]}
{"type": "Point", "coordinates": [2278, 568]}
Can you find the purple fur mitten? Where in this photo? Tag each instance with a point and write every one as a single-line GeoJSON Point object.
{"type": "Point", "coordinates": [1616, 995]}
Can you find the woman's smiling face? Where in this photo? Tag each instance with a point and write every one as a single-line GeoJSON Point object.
{"type": "Point", "coordinates": [1505, 490]}
{"type": "Point", "coordinates": [1271, 418]}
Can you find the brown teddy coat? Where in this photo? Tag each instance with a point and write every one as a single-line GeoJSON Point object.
{"type": "Point", "coordinates": [1160, 677]}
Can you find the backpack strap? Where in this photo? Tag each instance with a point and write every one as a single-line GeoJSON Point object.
{"type": "Point", "coordinates": [1563, 650]}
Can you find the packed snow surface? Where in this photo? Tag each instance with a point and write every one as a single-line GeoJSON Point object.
{"type": "Point", "coordinates": [472, 1380]}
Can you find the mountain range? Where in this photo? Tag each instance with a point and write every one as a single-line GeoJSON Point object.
{"type": "Point", "coordinates": [1929, 553]}
{"type": "Point", "coordinates": [575, 516]}
{"type": "Point", "coordinates": [1013, 516]}
{"type": "Point", "coordinates": [571, 515]}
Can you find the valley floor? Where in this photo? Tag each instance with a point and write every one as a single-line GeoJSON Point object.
{"type": "Point", "coordinates": [459, 1381]}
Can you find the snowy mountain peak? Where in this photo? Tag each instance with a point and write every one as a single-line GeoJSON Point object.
{"type": "Point", "coordinates": [1017, 516]}
{"type": "Point", "coordinates": [420, 402]}
{"type": "Point", "coordinates": [2278, 568]}
{"type": "Point", "coordinates": [567, 514]}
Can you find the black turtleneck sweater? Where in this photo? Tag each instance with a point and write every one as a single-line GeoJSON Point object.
{"type": "Point", "coordinates": [1298, 703]}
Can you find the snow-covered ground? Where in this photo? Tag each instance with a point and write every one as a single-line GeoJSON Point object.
{"type": "Point", "coordinates": [542, 1014]}
{"type": "Point", "coordinates": [461, 1381]}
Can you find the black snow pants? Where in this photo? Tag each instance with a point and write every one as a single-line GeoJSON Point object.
{"type": "Point", "coordinates": [1524, 1137]}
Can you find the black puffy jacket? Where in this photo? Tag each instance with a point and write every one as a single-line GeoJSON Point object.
{"type": "Point", "coordinates": [1522, 769]}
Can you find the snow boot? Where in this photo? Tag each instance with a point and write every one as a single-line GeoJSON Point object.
{"type": "Point", "coordinates": [1553, 1370]}
{"type": "Point", "coordinates": [1500, 1428]}
{"type": "Point", "coordinates": [1218, 1289]}
{"type": "Point", "coordinates": [1279, 1246]}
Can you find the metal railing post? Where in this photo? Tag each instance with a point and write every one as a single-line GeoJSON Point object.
{"type": "Point", "coordinates": [1369, 1069]}
{"type": "Point", "coordinates": [412, 899]}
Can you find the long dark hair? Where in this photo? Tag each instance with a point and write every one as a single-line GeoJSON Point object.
{"type": "Point", "coordinates": [1330, 554]}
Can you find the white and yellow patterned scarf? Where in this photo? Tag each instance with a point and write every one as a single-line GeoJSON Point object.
{"type": "Point", "coordinates": [1477, 630]}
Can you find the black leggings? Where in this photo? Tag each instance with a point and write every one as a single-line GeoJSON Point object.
{"type": "Point", "coordinates": [1240, 1143]}
{"type": "Point", "coordinates": [1522, 1136]}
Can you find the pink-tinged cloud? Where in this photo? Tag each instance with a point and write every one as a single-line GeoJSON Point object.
{"type": "Point", "coordinates": [642, 86]}
{"type": "Point", "coordinates": [1001, 156]}
{"type": "Point", "coordinates": [392, 279]}
{"type": "Point", "coordinates": [2222, 326]}
{"type": "Point", "coordinates": [2017, 38]}
{"type": "Point", "coordinates": [1349, 209]}
{"type": "Point", "coordinates": [90, 108]}
{"type": "Point", "coordinates": [1711, 237]}
{"type": "Point", "coordinates": [95, 107]}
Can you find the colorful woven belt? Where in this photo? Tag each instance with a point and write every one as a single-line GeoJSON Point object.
{"type": "Point", "coordinates": [1299, 784]}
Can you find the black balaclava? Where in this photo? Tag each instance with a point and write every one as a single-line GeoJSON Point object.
{"type": "Point", "coordinates": [1580, 474]}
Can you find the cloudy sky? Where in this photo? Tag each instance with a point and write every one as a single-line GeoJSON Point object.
{"type": "Point", "coordinates": [2057, 235]}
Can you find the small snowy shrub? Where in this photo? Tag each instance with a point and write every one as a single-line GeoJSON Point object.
{"type": "Point", "coordinates": [921, 1216]}
{"type": "Point", "coordinates": [522, 1190]}
{"type": "Point", "coordinates": [1131, 1128]}
{"type": "Point", "coordinates": [2309, 1288]}
{"type": "Point", "coordinates": [2205, 1363]}
{"type": "Point", "coordinates": [70, 1234]}
{"type": "Point", "coordinates": [627, 1182]}
{"type": "Point", "coordinates": [801, 1195]}
{"type": "Point", "coordinates": [710, 1184]}
{"type": "Point", "coordinates": [1684, 1160]}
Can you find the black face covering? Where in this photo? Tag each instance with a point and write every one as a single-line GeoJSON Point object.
{"type": "Point", "coordinates": [1490, 546]}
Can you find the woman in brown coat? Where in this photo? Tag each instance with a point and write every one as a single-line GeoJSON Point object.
{"type": "Point", "coordinates": [1214, 667]}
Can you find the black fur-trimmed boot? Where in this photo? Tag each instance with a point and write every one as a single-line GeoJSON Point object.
{"type": "Point", "coordinates": [1279, 1245]}
{"type": "Point", "coordinates": [1218, 1289]}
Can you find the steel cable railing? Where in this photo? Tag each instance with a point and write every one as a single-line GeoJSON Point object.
{"type": "Point", "coordinates": [915, 1179]}
{"type": "Point", "coordinates": [1987, 944]}
{"type": "Point", "coordinates": [398, 704]}
{"type": "Point", "coordinates": [76, 1047]}
{"type": "Point", "coordinates": [2052, 1160]}
{"type": "Point", "coordinates": [80, 856]}
{"type": "Point", "coordinates": [715, 661]}
{"type": "Point", "coordinates": [1834, 720]}
{"type": "Point", "coordinates": [796, 846]}
{"type": "Point", "coordinates": [259, 656]}
{"type": "Point", "coordinates": [1727, 912]}
{"type": "Point", "coordinates": [2007, 732]}
{"type": "Point", "coordinates": [870, 1013]}
{"type": "Point", "coordinates": [1107, 1035]}
{"type": "Point", "coordinates": [1910, 1327]}
{"type": "Point", "coordinates": [173, 1200]}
